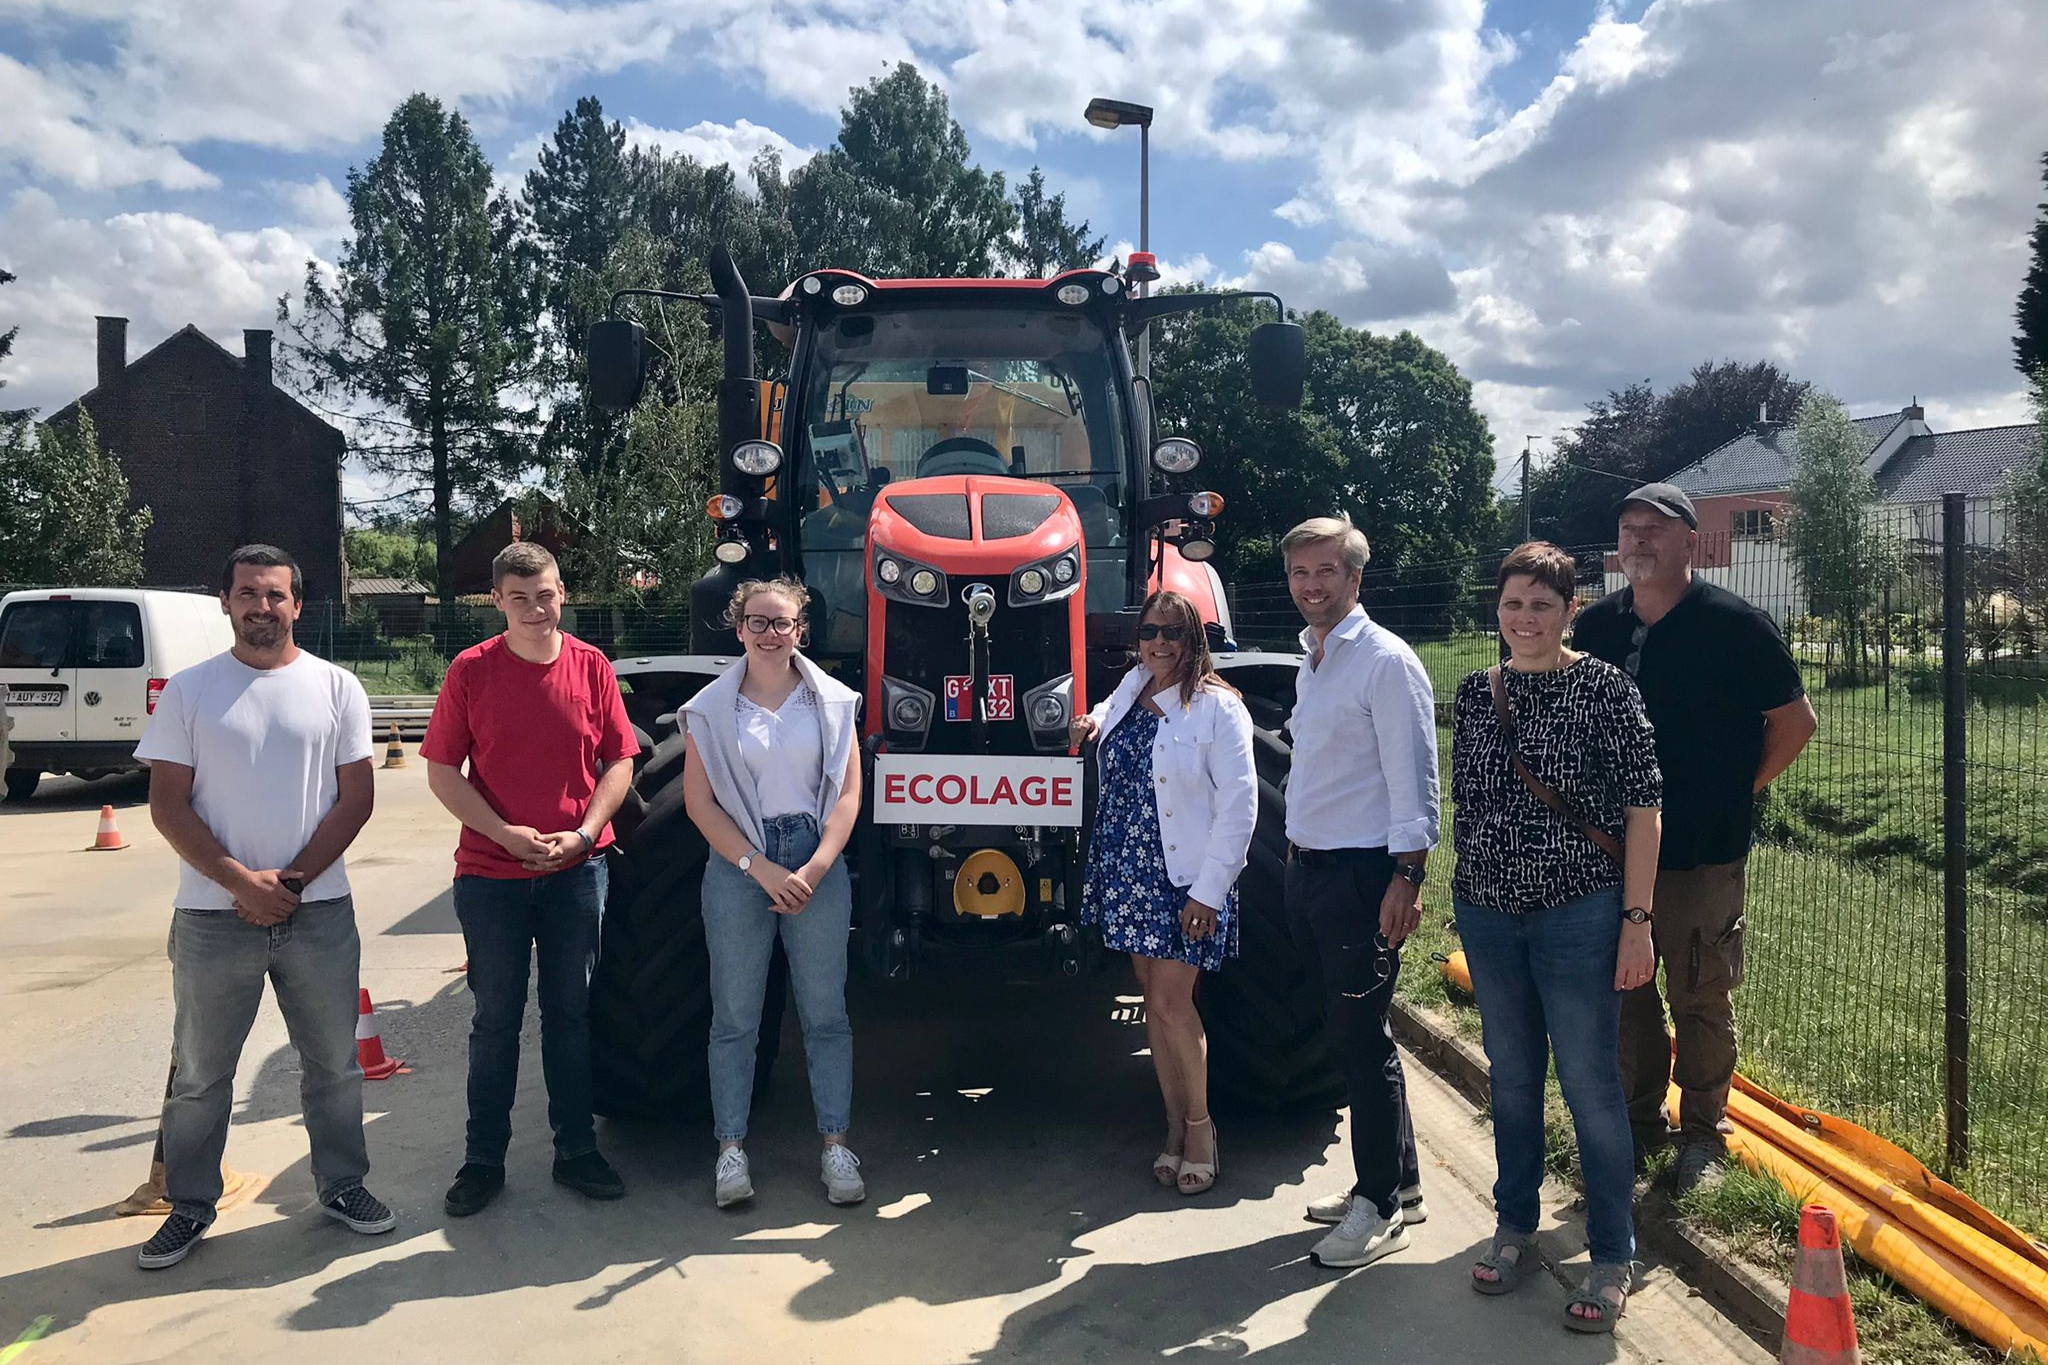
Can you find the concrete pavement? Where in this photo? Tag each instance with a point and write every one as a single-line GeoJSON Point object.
{"type": "Point", "coordinates": [1006, 1123]}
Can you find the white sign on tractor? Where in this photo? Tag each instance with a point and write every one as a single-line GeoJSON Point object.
{"type": "Point", "coordinates": [948, 789]}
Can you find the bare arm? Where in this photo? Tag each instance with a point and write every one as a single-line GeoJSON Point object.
{"type": "Point", "coordinates": [1643, 828]}
{"type": "Point", "coordinates": [463, 801]}
{"type": "Point", "coordinates": [260, 895]}
{"type": "Point", "coordinates": [1787, 729]}
{"type": "Point", "coordinates": [353, 803]}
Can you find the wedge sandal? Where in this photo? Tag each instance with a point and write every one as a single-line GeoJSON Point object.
{"type": "Point", "coordinates": [1601, 1277]}
{"type": "Point", "coordinates": [1507, 1272]}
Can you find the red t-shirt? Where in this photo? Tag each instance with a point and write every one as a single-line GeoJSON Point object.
{"type": "Point", "coordinates": [533, 736]}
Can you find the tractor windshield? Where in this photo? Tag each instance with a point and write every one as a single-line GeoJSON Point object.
{"type": "Point", "coordinates": [1023, 392]}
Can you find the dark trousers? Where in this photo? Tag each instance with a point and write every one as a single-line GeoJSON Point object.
{"type": "Point", "coordinates": [1334, 913]}
{"type": "Point", "coordinates": [506, 923]}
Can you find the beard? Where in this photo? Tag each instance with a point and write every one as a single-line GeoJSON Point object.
{"type": "Point", "coordinates": [261, 634]}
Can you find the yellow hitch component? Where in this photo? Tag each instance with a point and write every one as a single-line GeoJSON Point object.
{"type": "Point", "coordinates": [988, 884]}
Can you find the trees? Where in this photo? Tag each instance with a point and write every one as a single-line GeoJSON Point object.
{"type": "Point", "coordinates": [895, 194]}
{"type": "Point", "coordinates": [1046, 242]}
{"type": "Point", "coordinates": [10, 417]}
{"type": "Point", "coordinates": [64, 513]}
{"type": "Point", "coordinates": [2030, 346]}
{"type": "Point", "coordinates": [1843, 556]}
{"type": "Point", "coordinates": [1387, 433]}
{"type": "Point", "coordinates": [427, 329]}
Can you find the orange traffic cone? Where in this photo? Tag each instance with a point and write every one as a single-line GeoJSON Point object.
{"type": "Point", "coordinates": [149, 1197]}
{"type": "Point", "coordinates": [369, 1046]}
{"type": "Point", "coordinates": [109, 838]}
{"type": "Point", "coordinates": [1820, 1328]}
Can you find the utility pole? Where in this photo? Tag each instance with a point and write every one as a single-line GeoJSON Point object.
{"type": "Point", "coordinates": [1527, 441]}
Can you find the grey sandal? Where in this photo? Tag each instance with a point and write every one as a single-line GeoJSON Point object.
{"type": "Point", "coordinates": [1507, 1274]}
{"type": "Point", "coordinates": [1601, 1277]}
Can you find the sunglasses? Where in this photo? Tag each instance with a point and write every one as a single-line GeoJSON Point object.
{"type": "Point", "coordinates": [1153, 631]}
{"type": "Point", "coordinates": [761, 625]}
{"type": "Point", "coordinates": [1633, 664]}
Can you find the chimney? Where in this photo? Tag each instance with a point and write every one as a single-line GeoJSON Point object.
{"type": "Point", "coordinates": [1763, 418]}
{"type": "Point", "coordinates": [256, 355]}
{"type": "Point", "coordinates": [113, 357]}
{"type": "Point", "coordinates": [1914, 412]}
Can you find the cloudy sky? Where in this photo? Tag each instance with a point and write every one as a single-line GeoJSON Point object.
{"type": "Point", "coordinates": [1565, 195]}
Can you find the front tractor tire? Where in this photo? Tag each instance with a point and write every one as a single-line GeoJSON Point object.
{"type": "Point", "coordinates": [650, 1000]}
{"type": "Point", "coordinates": [1263, 1011]}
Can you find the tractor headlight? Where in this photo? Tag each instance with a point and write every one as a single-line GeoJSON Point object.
{"type": "Point", "coordinates": [888, 570]}
{"type": "Point", "coordinates": [849, 295]}
{"type": "Point", "coordinates": [730, 551]}
{"type": "Point", "coordinates": [1063, 569]}
{"type": "Point", "coordinates": [1031, 581]}
{"type": "Point", "coordinates": [1176, 455]}
{"type": "Point", "coordinates": [907, 713]}
{"type": "Point", "coordinates": [924, 582]}
{"type": "Point", "coordinates": [1047, 713]}
{"type": "Point", "coordinates": [1048, 709]}
{"type": "Point", "coordinates": [906, 580]}
{"type": "Point", "coordinates": [758, 458]}
{"type": "Point", "coordinates": [1046, 580]}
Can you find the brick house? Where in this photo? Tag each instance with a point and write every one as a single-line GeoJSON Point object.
{"type": "Point", "coordinates": [219, 454]}
{"type": "Point", "coordinates": [1740, 491]}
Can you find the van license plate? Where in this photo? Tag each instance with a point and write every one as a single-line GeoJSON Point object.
{"type": "Point", "coordinates": [40, 696]}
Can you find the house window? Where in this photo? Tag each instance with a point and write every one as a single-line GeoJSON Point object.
{"type": "Point", "coordinates": [188, 414]}
{"type": "Point", "coordinates": [1755, 523]}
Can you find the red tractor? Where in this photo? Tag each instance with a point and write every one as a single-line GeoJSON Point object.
{"type": "Point", "coordinates": [967, 476]}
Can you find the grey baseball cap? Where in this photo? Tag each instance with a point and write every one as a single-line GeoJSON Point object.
{"type": "Point", "coordinates": [1667, 498]}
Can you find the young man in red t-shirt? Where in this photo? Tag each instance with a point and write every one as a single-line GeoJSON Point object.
{"type": "Point", "coordinates": [538, 717]}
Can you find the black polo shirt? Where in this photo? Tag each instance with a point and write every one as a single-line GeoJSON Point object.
{"type": "Point", "coordinates": [1708, 671]}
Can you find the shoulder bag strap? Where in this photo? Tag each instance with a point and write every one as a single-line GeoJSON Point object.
{"type": "Point", "coordinates": [1539, 789]}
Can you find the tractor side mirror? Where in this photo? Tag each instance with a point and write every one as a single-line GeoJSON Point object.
{"type": "Point", "coordinates": [1279, 363]}
{"type": "Point", "coordinates": [617, 354]}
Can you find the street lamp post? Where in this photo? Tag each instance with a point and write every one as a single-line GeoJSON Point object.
{"type": "Point", "coordinates": [1108, 113]}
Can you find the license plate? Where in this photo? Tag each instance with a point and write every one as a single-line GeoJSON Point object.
{"type": "Point", "coordinates": [1001, 701]}
{"type": "Point", "coordinates": [35, 696]}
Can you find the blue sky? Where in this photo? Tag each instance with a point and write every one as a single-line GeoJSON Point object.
{"type": "Point", "coordinates": [1563, 196]}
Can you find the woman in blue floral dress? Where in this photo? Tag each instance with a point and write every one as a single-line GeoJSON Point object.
{"type": "Point", "coordinates": [1178, 798]}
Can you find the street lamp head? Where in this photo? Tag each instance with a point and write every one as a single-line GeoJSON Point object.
{"type": "Point", "coordinates": [1104, 113]}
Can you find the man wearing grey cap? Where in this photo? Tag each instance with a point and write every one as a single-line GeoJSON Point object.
{"type": "Point", "coordinates": [1731, 713]}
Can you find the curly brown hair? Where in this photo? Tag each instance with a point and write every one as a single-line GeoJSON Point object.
{"type": "Point", "coordinates": [788, 584]}
{"type": "Point", "coordinates": [1197, 668]}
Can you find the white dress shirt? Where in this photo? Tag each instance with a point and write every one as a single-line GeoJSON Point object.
{"type": "Point", "coordinates": [1364, 728]}
{"type": "Point", "coordinates": [1203, 782]}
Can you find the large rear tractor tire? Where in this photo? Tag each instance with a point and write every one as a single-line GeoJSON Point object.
{"type": "Point", "coordinates": [1263, 1011]}
{"type": "Point", "coordinates": [650, 1005]}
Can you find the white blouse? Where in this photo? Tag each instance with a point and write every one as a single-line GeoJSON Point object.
{"type": "Point", "coordinates": [784, 752]}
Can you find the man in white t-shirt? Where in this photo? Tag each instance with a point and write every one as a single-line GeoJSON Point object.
{"type": "Point", "coordinates": [260, 777]}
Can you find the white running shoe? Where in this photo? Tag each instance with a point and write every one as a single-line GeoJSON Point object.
{"type": "Point", "coordinates": [735, 1179]}
{"type": "Point", "coordinates": [1332, 1208]}
{"type": "Point", "coordinates": [1362, 1238]}
{"type": "Point", "coordinates": [839, 1168]}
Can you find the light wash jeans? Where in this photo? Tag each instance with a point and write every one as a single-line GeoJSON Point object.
{"type": "Point", "coordinates": [740, 928]}
{"type": "Point", "coordinates": [218, 965]}
{"type": "Point", "coordinates": [1545, 982]}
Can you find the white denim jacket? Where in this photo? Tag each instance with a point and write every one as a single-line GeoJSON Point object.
{"type": "Point", "coordinates": [1204, 784]}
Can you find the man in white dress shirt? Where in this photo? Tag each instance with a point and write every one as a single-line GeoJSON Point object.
{"type": "Point", "coordinates": [1361, 819]}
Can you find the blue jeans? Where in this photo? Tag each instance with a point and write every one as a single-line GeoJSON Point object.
{"type": "Point", "coordinates": [1545, 981]}
{"type": "Point", "coordinates": [218, 965]}
{"type": "Point", "coordinates": [740, 928]}
{"type": "Point", "coordinates": [506, 923]}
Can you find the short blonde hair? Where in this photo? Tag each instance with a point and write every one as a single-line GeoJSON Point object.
{"type": "Point", "coordinates": [1351, 541]}
{"type": "Point", "coordinates": [522, 559]}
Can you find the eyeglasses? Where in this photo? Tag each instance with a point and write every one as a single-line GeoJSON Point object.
{"type": "Point", "coordinates": [761, 625]}
{"type": "Point", "coordinates": [1152, 631]}
{"type": "Point", "coordinates": [1633, 664]}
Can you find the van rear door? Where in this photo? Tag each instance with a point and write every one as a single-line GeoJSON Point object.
{"type": "Point", "coordinates": [35, 667]}
{"type": "Point", "coordinates": [111, 678]}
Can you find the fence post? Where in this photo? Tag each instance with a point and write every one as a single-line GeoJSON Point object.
{"type": "Point", "coordinates": [1955, 832]}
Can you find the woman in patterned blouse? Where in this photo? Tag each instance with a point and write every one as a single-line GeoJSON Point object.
{"type": "Point", "coordinates": [1557, 858]}
{"type": "Point", "coordinates": [1173, 826]}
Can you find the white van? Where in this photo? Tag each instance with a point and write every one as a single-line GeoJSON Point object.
{"type": "Point", "coordinates": [82, 669]}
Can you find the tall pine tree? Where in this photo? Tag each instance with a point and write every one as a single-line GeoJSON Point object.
{"type": "Point", "coordinates": [426, 331]}
{"type": "Point", "coordinates": [2030, 347]}
{"type": "Point", "coordinates": [1047, 242]}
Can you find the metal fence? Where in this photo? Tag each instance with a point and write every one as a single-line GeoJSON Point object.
{"type": "Point", "coordinates": [1898, 892]}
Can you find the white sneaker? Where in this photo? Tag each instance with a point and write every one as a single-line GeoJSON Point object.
{"type": "Point", "coordinates": [1332, 1208]}
{"type": "Point", "coordinates": [839, 1168]}
{"type": "Point", "coordinates": [1362, 1238]}
{"type": "Point", "coordinates": [735, 1179]}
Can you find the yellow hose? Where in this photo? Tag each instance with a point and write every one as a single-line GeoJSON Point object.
{"type": "Point", "coordinates": [1930, 1237]}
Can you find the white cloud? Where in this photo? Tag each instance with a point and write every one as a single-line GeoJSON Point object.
{"type": "Point", "coordinates": [720, 144]}
{"type": "Point", "coordinates": [48, 132]}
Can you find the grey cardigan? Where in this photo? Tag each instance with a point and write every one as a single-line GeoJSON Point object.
{"type": "Point", "coordinates": [709, 719]}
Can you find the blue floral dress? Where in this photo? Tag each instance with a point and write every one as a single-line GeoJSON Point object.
{"type": "Point", "coordinates": [1127, 891]}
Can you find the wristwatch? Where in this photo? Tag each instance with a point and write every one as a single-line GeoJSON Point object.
{"type": "Point", "coordinates": [747, 860]}
{"type": "Point", "coordinates": [1635, 914]}
{"type": "Point", "coordinates": [1411, 873]}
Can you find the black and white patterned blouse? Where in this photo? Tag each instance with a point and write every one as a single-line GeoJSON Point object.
{"type": "Point", "coordinates": [1583, 731]}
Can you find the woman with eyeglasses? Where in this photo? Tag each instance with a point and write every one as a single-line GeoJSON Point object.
{"type": "Point", "coordinates": [1555, 778]}
{"type": "Point", "coordinates": [772, 780]}
{"type": "Point", "coordinates": [1176, 804]}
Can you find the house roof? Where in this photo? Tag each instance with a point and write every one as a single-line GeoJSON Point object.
{"type": "Point", "coordinates": [1759, 461]}
{"type": "Point", "coordinates": [1973, 463]}
{"type": "Point", "coordinates": [189, 332]}
{"type": "Point", "coordinates": [387, 587]}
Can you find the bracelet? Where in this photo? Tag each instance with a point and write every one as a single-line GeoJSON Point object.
{"type": "Point", "coordinates": [589, 844]}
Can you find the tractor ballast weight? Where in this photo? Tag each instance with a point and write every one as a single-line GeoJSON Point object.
{"type": "Point", "coordinates": [966, 476]}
